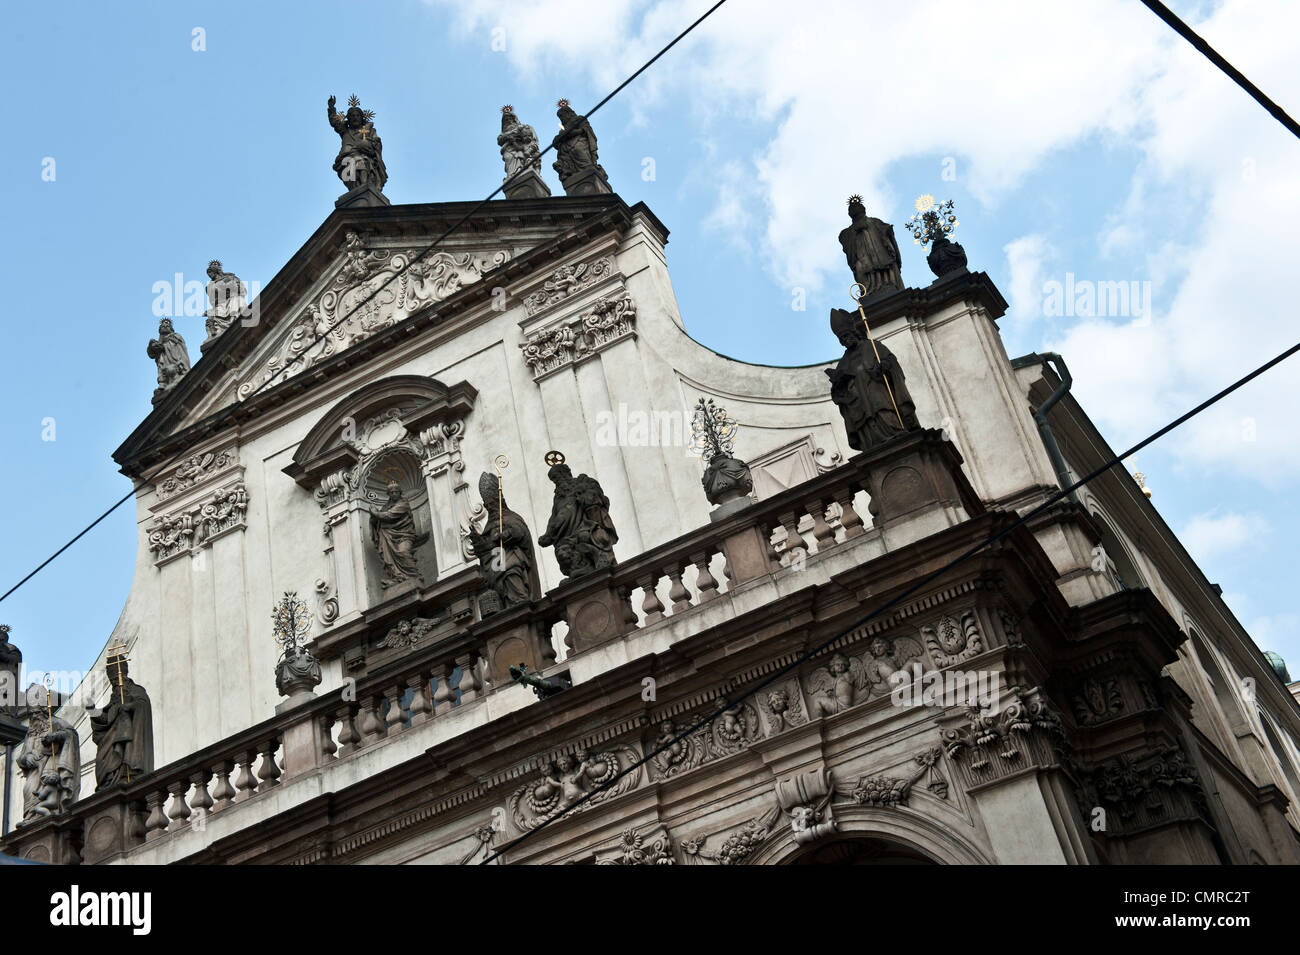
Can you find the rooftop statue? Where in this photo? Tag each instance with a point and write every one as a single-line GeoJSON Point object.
{"type": "Point", "coordinates": [50, 762]}
{"type": "Point", "coordinates": [576, 156]}
{"type": "Point", "coordinates": [122, 730]}
{"type": "Point", "coordinates": [173, 358]}
{"type": "Point", "coordinates": [505, 546]}
{"type": "Point", "coordinates": [523, 159]}
{"type": "Point", "coordinates": [871, 250]}
{"type": "Point", "coordinates": [227, 300]}
{"type": "Point", "coordinates": [580, 528]}
{"type": "Point", "coordinates": [868, 386]}
{"type": "Point", "coordinates": [360, 161]}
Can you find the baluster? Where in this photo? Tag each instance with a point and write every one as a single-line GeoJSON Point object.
{"type": "Point", "coordinates": [421, 708]}
{"type": "Point", "coordinates": [822, 533]}
{"type": "Point", "coordinates": [178, 810]}
{"type": "Point", "coordinates": [793, 539]}
{"type": "Point", "coordinates": [394, 717]}
{"type": "Point", "coordinates": [677, 593]}
{"type": "Point", "coordinates": [443, 696]}
{"type": "Point", "coordinates": [201, 801]}
{"type": "Point", "coordinates": [371, 728]}
{"type": "Point", "coordinates": [469, 684]}
{"type": "Point", "coordinates": [849, 517]}
{"type": "Point", "coordinates": [629, 612]}
{"type": "Point", "coordinates": [327, 747]}
{"type": "Point", "coordinates": [269, 772]}
{"type": "Point", "coordinates": [654, 610]}
{"type": "Point", "coordinates": [704, 582]}
{"type": "Point", "coordinates": [246, 782]}
{"type": "Point", "coordinates": [156, 825]}
{"type": "Point", "coordinates": [349, 738]}
{"type": "Point", "coordinates": [223, 793]}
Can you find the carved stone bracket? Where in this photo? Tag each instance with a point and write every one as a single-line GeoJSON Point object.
{"type": "Point", "coordinates": [196, 525]}
{"type": "Point", "coordinates": [580, 337]}
{"type": "Point", "coordinates": [1142, 791]}
{"type": "Point", "coordinates": [1026, 732]}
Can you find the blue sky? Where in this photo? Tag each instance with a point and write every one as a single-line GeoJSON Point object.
{"type": "Point", "coordinates": [1094, 147]}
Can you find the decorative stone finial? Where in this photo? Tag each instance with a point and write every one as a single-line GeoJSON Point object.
{"type": "Point", "coordinates": [727, 481]}
{"type": "Point", "coordinates": [298, 672]}
{"type": "Point", "coordinates": [933, 222]}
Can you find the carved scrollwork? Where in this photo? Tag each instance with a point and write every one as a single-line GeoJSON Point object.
{"type": "Point", "coordinates": [991, 744]}
{"type": "Point", "coordinates": [570, 777]}
{"type": "Point", "coordinates": [198, 524]}
{"type": "Point", "coordinates": [568, 280]}
{"type": "Point", "coordinates": [654, 847]}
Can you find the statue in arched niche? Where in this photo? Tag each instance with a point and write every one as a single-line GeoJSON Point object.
{"type": "Point", "coordinates": [395, 535]}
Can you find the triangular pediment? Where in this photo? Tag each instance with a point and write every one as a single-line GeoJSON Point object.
{"type": "Point", "coordinates": [364, 272]}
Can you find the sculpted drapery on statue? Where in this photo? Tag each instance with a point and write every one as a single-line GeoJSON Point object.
{"type": "Point", "coordinates": [576, 157]}
{"type": "Point", "coordinates": [870, 391]}
{"type": "Point", "coordinates": [504, 548]}
{"type": "Point", "coordinates": [580, 528]}
{"type": "Point", "coordinates": [394, 534]}
{"type": "Point", "coordinates": [122, 730]}
{"type": "Point", "coordinates": [360, 161]}
{"type": "Point", "coordinates": [518, 142]}
{"type": "Point", "coordinates": [227, 300]}
{"type": "Point", "coordinates": [50, 762]}
{"type": "Point", "coordinates": [871, 250]}
{"type": "Point", "coordinates": [172, 357]}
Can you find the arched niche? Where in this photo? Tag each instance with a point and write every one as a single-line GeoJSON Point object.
{"type": "Point", "coordinates": [895, 835]}
{"type": "Point", "coordinates": [406, 431]}
{"type": "Point", "coordinates": [1119, 563]}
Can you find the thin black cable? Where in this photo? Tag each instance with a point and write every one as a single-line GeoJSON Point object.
{"type": "Point", "coordinates": [231, 409]}
{"type": "Point", "coordinates": [730, 703]}
{"type": "Point", "coordinates": [1234, 74]}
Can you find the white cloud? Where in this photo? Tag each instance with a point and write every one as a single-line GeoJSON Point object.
{"type": "Point", "coordinates": [1025, 257]}
{"type": "Point", "coordinates": [1212, 534]}
{"type": "Point", "coordinates": [850, 88]}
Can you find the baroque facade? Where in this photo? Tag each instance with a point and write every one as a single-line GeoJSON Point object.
{"type": "Point", "coordinates": [1076, 692]}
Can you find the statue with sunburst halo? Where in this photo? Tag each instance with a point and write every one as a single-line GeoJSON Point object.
{"type": "Point", "coordinates": [360, 161]}
{"type": "Point", "coordinates": [871, 250]}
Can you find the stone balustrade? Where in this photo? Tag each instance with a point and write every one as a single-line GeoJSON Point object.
{"type": "Point", "coordinates": [459, 665]}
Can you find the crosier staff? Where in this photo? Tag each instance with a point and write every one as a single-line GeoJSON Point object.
{"type": "Point", "coordinates": [121, 687]}
{"type": "Point", "coordinates": [884, 375]}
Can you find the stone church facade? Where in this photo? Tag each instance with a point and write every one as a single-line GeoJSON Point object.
{"type": "Point", "coordinates": [1130, 717]}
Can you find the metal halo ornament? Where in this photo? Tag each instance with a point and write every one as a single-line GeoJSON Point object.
{"type": "Point", "coordinates": [554, 458]}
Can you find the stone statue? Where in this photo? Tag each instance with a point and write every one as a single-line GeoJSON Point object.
{"type": "Point", "coordinates": [518, 142]}
{"type": "Point", "coordinates": [868, 386]}
{"type": "Point", "coordinates": [11, 659]}
{"type": "Point", "coordinates": [50, 762]}
{"type": "Point", "coordinates": [576, 155]}
{"type": "Point", "coordinates": [394, 534]}
{"type": "Point", "coordinates": [872, 252]}
{"type": "Point", "coordinates": [360, 161]}
{"type": "Point", "coordinates": [504, 548]}
{"type": "Point", "coordinates": [171, 355]}
{"type": "Point", "coordinates": [580, 528]}
{"type": "Point", "coordinates": [227, 300]}
{"type": "Point", "coordinates": [122, 730]}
